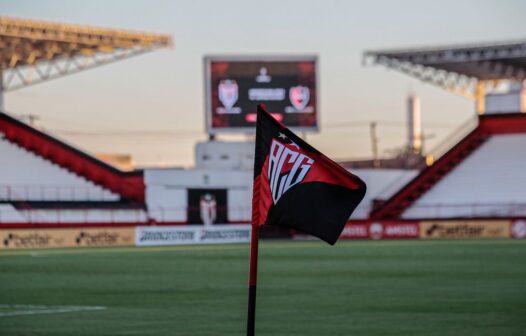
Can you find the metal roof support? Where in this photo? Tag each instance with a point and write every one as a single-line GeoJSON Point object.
{"type": "Point", "coordinates": [480, 94]}
{"type": "Point", "coordinates": [36, 51]}
{"type": "Point", "coordinates": [469, 71]}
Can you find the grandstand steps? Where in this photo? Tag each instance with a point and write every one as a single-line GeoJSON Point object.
{"type": "Point", "coordinates": [48, 159]}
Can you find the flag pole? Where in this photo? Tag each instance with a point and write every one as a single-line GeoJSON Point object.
{"type": "Point", "coordinates": [252, 280]}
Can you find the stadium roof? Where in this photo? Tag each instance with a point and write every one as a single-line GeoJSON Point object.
{"type": "Point", "coordinates": [457, 68]}
{"type": "Point", "coordinates": [35, 51]}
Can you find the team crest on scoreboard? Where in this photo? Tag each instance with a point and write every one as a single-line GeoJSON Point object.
{"type": "Point", "coordinates": [299, 97]}
{"type": "Point", "coordinates": [228, 92]}
{"type": "Point", "coordinates": [287, 167]}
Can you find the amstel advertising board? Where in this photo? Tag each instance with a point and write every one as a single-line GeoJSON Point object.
{"type": "Point", "coordinates": [518, 229]}
{"type": "Point", "coordinates": [58, 238]}
{"type": "Point", "coordinates": [381, 230]}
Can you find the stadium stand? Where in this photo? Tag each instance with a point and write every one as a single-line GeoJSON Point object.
{"type": "Point", "coordinates": [128, 185]}
{"type": "Point", "coordinates": [48, 182]}
{"type": "Point", "coordinates": [487, 183]}
{"type": "Point", "coordinates": [43, 180]}
{"type": "Point", "coordinates": [482, 175]}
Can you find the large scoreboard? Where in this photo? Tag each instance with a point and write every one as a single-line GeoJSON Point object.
{"type": "Point", "coordinates": [235, 85]}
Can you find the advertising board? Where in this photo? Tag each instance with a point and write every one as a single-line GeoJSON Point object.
{"type": "Point", "coordinates": [60, 238]}
{"type": "Point", "coordinates": [186, 235]}
{"type": "Point", "coordinates": [381, 230]}
{"type": "Point", "coordinates": [465, 229]}
{"type": "Point", "coordinates": [518, 229]}
{"type": "Point", "coordinates": [393, 230]}
{"type": "Point", "coordinates": [355, 231]}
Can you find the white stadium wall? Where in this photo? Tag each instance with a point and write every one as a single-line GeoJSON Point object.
{"type": "Point", "coordinates": [167, 192]}
{"type": "Point", "coordinates": [224, 155]}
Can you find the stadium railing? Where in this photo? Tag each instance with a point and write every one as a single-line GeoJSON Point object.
{"type": "Point", "coordinates": [16, 192]}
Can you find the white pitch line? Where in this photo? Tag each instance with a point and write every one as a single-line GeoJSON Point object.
{"type": "Point", "coordinates": [37, 310]}
{"type": "Point", "coordinates": [142, 249]}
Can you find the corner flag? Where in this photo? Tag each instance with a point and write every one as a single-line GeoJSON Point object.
{"type": "Point", "coordinates": [295, 187]}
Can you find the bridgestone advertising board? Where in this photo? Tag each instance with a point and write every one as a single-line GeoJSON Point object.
{"type": "Point", "coordinates": [185, 235]}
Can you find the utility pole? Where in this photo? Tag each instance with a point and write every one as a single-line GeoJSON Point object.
{"type": "Point", "coordinates": [1, 91]}
{"type": "Point", "coordinates": [414, 125]}
{"type": "Point", "coordinates": [31, 118]}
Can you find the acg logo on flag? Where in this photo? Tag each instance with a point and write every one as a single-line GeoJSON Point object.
{"type": "Point", "coordinates": [228, 93]}
{"type": "Point", "coordinates": [299, 97]}
{"type": "Point", "coordinates": [297, 187]}
{"type": "Point", "coordinates": [287, 167]}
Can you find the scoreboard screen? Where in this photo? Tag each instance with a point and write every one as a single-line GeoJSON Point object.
{"type": "Point", "coordinates": [234, 86]}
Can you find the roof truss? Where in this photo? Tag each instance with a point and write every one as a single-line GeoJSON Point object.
{"type": "Point", "coordinates": [464, 70]}
{"type": "Point", "coordinates": [36, 51]}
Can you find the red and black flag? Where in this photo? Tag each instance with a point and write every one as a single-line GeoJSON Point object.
{"type": "Point", "coordinates": [297, 187]}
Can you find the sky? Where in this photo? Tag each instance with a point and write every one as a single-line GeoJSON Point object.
{"type": "Point", "coordinates": [152, 105]}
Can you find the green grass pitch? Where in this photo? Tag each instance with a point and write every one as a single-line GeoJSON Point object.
{"type": "Point", "coordinates": [305, 288]}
